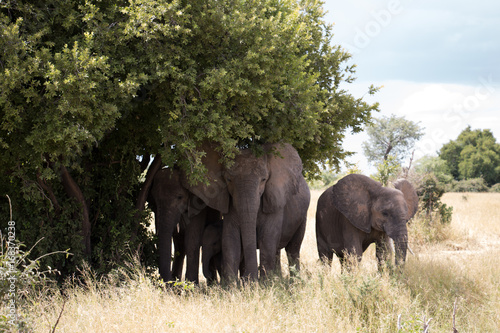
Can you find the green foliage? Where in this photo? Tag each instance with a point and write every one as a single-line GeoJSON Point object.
{"type": "Point", "coordinates": [436, 165]}
{"type": "Point", "coordinates": [430, 192]}
{"type": "Point", "coordinates": [366, 295]}
{"type": "Point", "coordinates": [387, 169]}
{"type": "Point", "coordinates": [20, 277]}
{"type": "Point", "coordinates": [354, 169]}
{"type": "Point", "coordinates": [474, 154]}
{"type": "Point", "coordinates": [495, 188]}
{"type": "Point", "coordinates": [392, 135]}
{"type": "Point", "coordinates": [326, 178]}
{"type": "Point", "coordinates": [91, 86]}
{"type": "Point", "coordinates": [469, 185]}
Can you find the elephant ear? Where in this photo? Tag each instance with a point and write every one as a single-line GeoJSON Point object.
{"type": "Point", "coordinates": [410, 195]}
{"type": "Point", "coordinates": [215, 194]}
{"type": "Point", "coordinates": [285, 168]}
{"type": "Point", "coordinates": [351, 196]}
{"type": "Point", "coordinates": [195, 206]}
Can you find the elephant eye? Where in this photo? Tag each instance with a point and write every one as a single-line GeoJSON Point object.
{"type": "Point", "coordinates": [385, 214]}
{"type": "Point", "coordinates": [179, 197]}
{"type": "Point", "coordinates": [264, 179]}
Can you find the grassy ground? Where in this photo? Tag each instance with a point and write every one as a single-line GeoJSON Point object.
{"type": "Point", "coordinates": [463, 268]}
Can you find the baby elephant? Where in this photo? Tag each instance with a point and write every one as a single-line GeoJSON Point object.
{"type": "Point", "coordinates": [358, 211]}
{"type": "Point", "coordinates": [211, 255]}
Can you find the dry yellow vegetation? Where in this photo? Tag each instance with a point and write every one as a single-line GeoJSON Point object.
{"type": "Point", "coordinates": [463, 268]}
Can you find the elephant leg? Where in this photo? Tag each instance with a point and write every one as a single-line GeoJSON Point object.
{"type": "Point", "coordinates": [179, 254]}
{"type": "Point", "coordinates": [193, 240]}
{"type": "Point", "coordinates": [242, 267]}
{"type": "Point", "coordinates": [350, 256]}
{"type": "Point", "coordinates": [231, 251]}
{"type": "Point", "coordinates": [278, 263]}
{"type": "Point", "coordinates": [325, 249]}
{"type": "Point", "coordinates": [165, 234]}
{"type": "Point", "coordinates": [215, 267]}
{"type": "Point", "coordinates": [348, 259]}
{"type": "Point", "coordinates": [326, 256]}
{"type": "Point", "coordinates": [293, 248]}
{"type": "Point", "coordinates": [269, 237]}
{"type": "Point", "coordinates": [352, 251]}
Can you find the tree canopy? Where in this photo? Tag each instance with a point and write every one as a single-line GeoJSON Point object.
{"type": "Point", "coordinates": [474, 154]}
{"type": "Point", "coordinates": [90, 90]}
{"type": "Point", "coordinates": [391, 135]}
{"type": "Point", "coordinates": [435, 165]}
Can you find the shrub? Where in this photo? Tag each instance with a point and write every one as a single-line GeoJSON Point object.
{"type": "Point", "coordinates": [19, 277]}
{"type": "Point", "coordinates": [470, 185]}
{"type": "Point", "coordinates": [495, 188]}
{"type": "Point", "coordinates": [431, 222]}
{"type": "Point", "coordinates": [430, 192]}
{"type": "Point", "coordinates": [387, 169]}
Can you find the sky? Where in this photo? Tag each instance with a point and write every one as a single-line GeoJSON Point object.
{"type": "Point", "coordinates": [437, 61]}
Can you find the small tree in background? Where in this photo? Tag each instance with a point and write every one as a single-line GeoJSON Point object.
{"type": "Point", "coordinates": [391, 136]}
{"type": "Point", "coordinates": [387, 169]}
{"type": "Point", "coordinates": [430, 192]}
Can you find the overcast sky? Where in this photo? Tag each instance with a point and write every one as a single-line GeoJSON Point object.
{"type": "Point", "coordinates": [438, 63]}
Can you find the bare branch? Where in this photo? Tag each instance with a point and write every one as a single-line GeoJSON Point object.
{"type": "Point", "coordinates": [58, 318]}
{"type": "Point", "coordinates": [454, 313]}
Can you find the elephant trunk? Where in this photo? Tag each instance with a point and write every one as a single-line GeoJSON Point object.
{"type": "Point", "coordinates": [247, 210]}
{"type": "Point", "coordinates": [165, 228]}
{"type": "Point", "coordinates": [206, 255]}
{"type": "Point", "coordinates": [400, 246]}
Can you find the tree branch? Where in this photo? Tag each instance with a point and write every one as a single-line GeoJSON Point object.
{"type": "Point", "coordinates": [143, 194]}
{"type": "Point", "coordinates": [51, 196]}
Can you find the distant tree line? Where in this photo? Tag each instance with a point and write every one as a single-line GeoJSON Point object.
{"type": "Point", "coordinates": [471, 163]}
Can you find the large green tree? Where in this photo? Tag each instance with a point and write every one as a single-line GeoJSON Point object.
{"type": "Point", "coordinates": [474, 154]}
{"type": "Point", "coordinates": [91, 90]}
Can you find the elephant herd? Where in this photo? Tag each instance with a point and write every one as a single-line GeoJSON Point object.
{"type": "Point", "coordinates": [261, 202]}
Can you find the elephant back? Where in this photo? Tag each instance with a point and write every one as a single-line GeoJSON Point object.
{"type": "Point", "coordinates": [410, 195]}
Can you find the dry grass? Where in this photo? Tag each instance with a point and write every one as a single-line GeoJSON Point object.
{"type": "Point", "coordinates": [321, 300]}
{"type": "Point", "coordinates": [476, 214]}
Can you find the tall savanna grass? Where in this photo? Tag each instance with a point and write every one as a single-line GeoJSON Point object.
{"type": "Point", "coordinates": [439, 276]}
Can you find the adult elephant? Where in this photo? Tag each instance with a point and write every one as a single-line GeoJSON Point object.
{"type": "Point", "coordinates": [252, 195]}
{"type": "Point", "coordinates": [358, 211]}
{"type": "Point", "coordinates": [292, 234]}
{"type": "Point", "coordinates": [181, 216]}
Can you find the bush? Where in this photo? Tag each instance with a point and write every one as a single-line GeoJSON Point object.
{"type": "Point", "coordinates": [20, 276]}
{"type": "Point", "coordinates": [387, 169]}
{"type": "Point", "coordinates": [470, 185]}
{"type": "Point", "coordinates": [495, 188]}
{"type": "Point", "coordinates": [430, 192]}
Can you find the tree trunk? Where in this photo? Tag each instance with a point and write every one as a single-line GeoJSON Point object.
{"type": "Point", "coordinates": [73, 190]}
{"type": "Point", "coordinates": [387, 151]}
{"type": "Point", "coordinates": [143, 194]}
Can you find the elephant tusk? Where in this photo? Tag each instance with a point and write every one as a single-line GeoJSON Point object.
{"type": "Point", "coordinates": [409, 249]}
